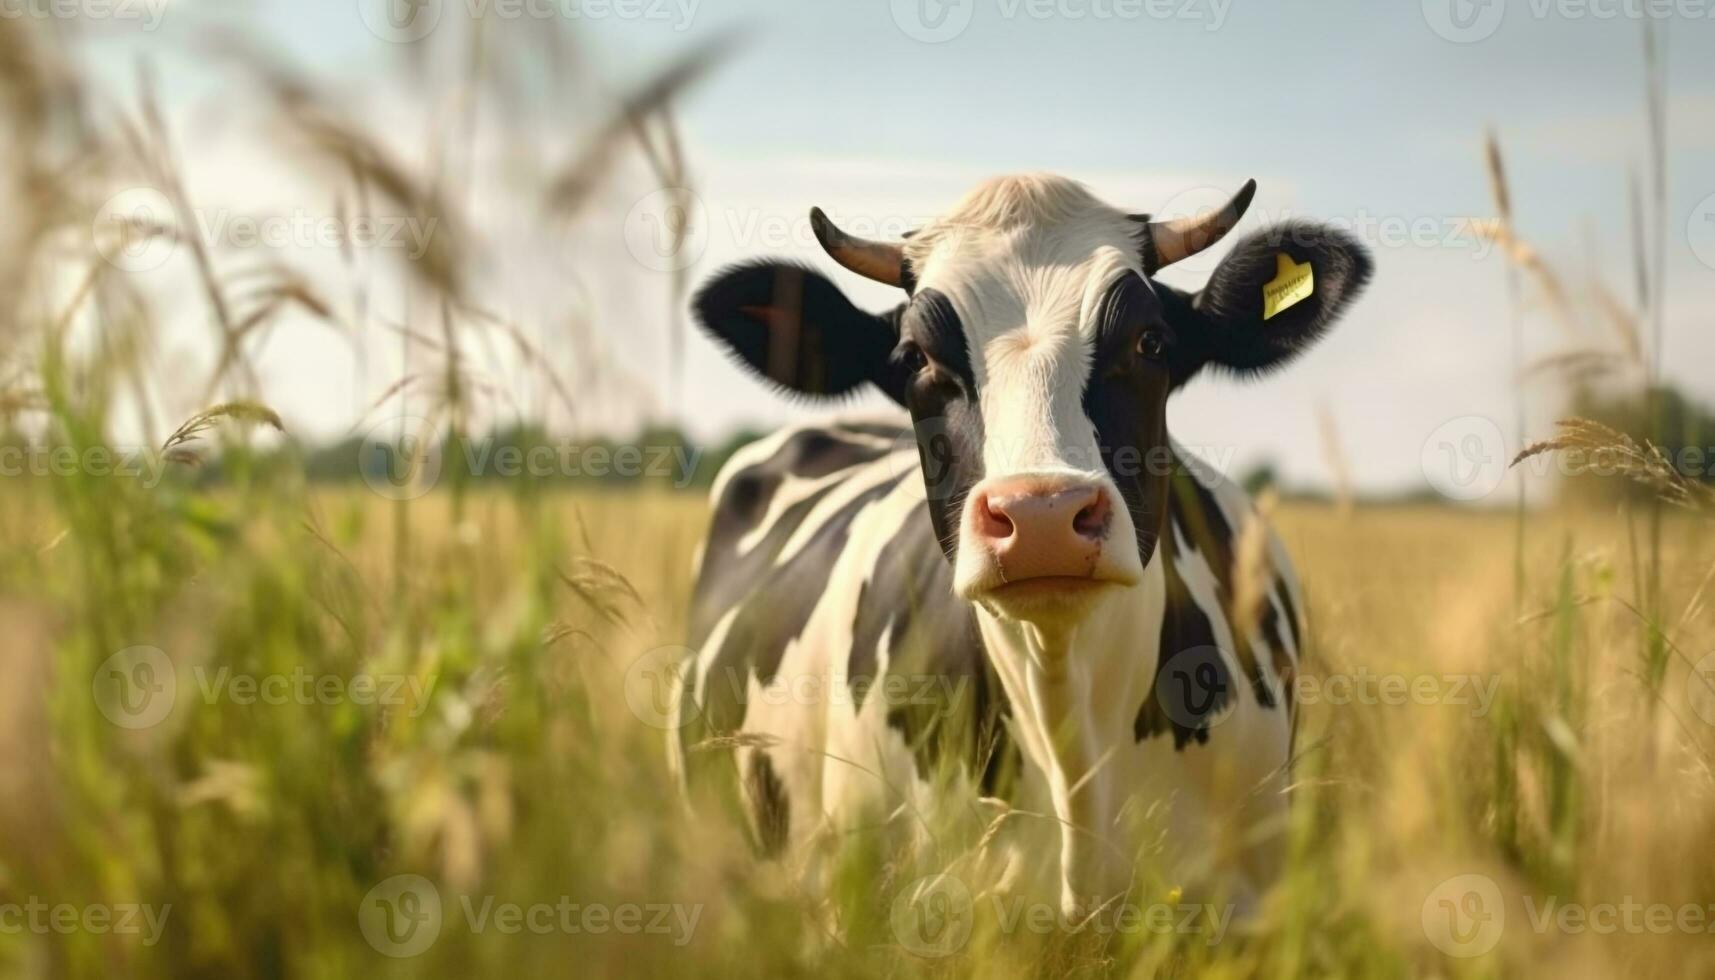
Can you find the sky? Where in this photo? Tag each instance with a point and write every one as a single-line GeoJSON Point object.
{"type": "Point", "coordinates": [884, 112]}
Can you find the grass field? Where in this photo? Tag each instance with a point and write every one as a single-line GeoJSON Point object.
{"type": "Point", "coordinates": [499, 758]}
{"type": "Point", "coordinates": [255, 725]}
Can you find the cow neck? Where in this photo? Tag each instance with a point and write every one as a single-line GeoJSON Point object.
{"type": "Point", "coordinates": [1075, 688]}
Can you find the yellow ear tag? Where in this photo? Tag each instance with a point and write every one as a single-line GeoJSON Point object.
{"type": "Point", "coordinates": [1293, 284]}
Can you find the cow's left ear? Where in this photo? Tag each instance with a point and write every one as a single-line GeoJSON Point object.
{"type": "Point", "coordinates": [1274, 295]}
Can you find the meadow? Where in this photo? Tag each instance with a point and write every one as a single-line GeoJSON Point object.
{"type": "Point", "coordinates": [517, 762]}
{"type": "Point", "coordinates": [255, 723]}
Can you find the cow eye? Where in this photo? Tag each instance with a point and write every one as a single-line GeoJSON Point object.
{"type": "Point", "coordinates": [1151, 344]}
{"type": "Point", "coordinates": [910, 358]}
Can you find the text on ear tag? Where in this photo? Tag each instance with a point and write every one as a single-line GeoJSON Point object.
{"type": "Point", "coordinates": [1292, 284]}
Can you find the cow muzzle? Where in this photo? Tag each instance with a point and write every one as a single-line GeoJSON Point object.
{"type": "Point", "coordinates": [1039, 536]}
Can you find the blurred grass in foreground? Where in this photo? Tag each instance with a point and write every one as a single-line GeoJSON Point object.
{"type": "Point", "coordinates": [518, 772]}
{"type": "Point", "coordinates": [248, 708]}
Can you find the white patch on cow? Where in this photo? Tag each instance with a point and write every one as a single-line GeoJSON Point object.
{"type": "Point", "coordinates": [870, 768]}
{"type": "Point", "coordinates": [1025, 261]}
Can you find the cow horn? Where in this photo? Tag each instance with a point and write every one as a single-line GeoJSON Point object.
{"type": "Point", "coordinates": [881, 261]}
{"type": "Point", "coordinates": [1168, 242]}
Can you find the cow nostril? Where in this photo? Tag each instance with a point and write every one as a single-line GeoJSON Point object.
{"type": "Point", "coordinates": [993, 522]}
{"type": "Point", "coordinates": [1092, 521]}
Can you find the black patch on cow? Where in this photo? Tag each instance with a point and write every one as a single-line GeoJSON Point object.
{"type": "Point", "coordinates": [1192, 684]}
{"type": "Point", "coordinates": [1207, 530]}
{"type": "Point", "coordinates": [1196, 689]}
{"type": "Point", "coordinates": [727, 577]}
{"type": "Point", "coordinates": [1125, 398]}
{"type": "Point", "coordinates": [938, 385]}
{"type": "Point", "coordinates": [941, 693]}
{"type": "Point", "coordinates": [768, 803]}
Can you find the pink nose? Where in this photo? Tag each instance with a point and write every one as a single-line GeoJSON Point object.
{"type": "Point", "coordinates": [1038, 529]}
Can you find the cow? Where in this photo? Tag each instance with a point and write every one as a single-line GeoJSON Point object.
{"type": "Point", "coordinates": [1025, 590]}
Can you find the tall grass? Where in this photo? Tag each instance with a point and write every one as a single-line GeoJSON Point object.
{"type": "Point", "coordinates": [516, 763]}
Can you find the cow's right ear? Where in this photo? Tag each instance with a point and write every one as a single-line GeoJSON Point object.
{"type": "Point", "coordinates": [795, 328]}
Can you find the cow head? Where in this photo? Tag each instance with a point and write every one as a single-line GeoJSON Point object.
{"type": "Point", "coordinates": [1036, 353]}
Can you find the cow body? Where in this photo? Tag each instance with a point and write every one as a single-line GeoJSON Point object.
{"type": "Point", "coordinates": [1026, 590]}
{"type": "Point", "coordinates": [828, 632]}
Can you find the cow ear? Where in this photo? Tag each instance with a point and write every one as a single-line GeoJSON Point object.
{"type": "Point", "coordinates": [795, 328]}
{"type": "Point", "coordinates": [1273, 296]}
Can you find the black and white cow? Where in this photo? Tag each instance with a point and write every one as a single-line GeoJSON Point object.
{"type": "Point", "coordinates": [1028, 581]}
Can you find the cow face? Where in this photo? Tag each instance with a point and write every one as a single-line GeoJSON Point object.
{"type": "Point", "coordinates": [1036, 355]}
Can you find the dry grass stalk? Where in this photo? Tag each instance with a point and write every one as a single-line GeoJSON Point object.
{"type": "Point", "coordinates": [1620, 454]}
{"type": "Point", "coordinates": [605, 589]}
{"type": "Point", "coordinates": [182, 446]}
